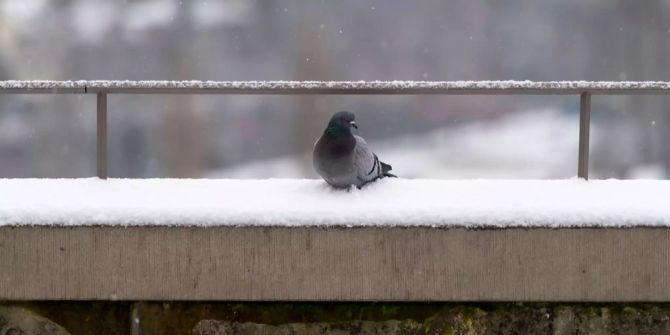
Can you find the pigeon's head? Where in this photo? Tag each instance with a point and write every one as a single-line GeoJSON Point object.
{"type": "Point", "coordinates": [341, 123]}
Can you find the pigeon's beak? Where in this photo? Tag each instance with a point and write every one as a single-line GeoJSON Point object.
{"type": "Point", "coordinates": [353, 124]}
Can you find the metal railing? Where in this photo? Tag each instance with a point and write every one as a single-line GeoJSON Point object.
{"type": "Point", "coordinates": [101, 89]}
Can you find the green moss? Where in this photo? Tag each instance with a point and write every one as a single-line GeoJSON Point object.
{"type": "Point", "coordinates": [81, 317]}
{"type": "Point", "coordinates": [605, 314]}
{"type": "Point", "coordinates": [414, 318]}
{"type": "Point", "coordinates": [630, 310]}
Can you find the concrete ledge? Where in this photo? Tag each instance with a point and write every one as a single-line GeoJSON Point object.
{"type": "Point", "coordinates": [338, 264]}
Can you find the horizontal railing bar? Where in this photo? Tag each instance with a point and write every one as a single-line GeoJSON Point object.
{"type": "Point", "coordinates": [42, 90]}
{"type": "Point", "coordinates": [377, 91]}
{"type": "Point", "coordinates": [337, 87]}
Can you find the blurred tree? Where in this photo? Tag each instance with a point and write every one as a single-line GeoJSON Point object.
{"type": "Point", "coordinates": [183, 147]}
{"type": "Point", "coordinates": [347, 40]}
{"type": "Point", "coordinates": [311, 112]}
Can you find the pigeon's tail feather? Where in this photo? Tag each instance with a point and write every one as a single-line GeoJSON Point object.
{"type": "Point", "coordinates": [386, 168]}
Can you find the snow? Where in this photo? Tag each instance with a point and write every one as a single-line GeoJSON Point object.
{"type": "Point", "coordinates": [305, 202]}
{"type": "Point", "coordinates": [396, 86]}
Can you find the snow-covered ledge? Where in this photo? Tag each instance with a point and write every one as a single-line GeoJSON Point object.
{"type": "Point", "coordinates": [300, 203]}
{"type": "Point", "coordinates": [419, 240]}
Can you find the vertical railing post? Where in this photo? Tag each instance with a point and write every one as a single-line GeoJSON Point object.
{"type": "Point", "coordinates": [101, 135]}
{"type": "Point", "coordinates": [584, 127]}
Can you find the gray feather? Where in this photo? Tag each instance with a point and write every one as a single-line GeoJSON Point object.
{"type": "Point", "coordinates": [365, 161]}
{"type": "Point", "coordinates": [358, 167]}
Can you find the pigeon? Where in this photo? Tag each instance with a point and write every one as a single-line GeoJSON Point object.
{"type": "Point", "coordinates": [343, 159]}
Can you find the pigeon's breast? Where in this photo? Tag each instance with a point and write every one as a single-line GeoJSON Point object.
{"type": "Point", "coordinates": [327, 165]}
{"type": "Point", "coordinates": [334, 165]}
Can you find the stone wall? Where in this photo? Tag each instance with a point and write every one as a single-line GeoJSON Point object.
{"type": "Point", "coordinates": [147, 318]}
{"type": "Point", "coordinates": [334, 264]}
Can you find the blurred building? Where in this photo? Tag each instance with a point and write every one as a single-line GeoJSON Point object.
{"type": "Point", "coordinates": [193, 136]}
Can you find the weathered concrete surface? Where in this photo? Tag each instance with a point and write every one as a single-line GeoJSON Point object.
{"type": "Point", "coordinates": [333, 318]}
{"type": "Point", "coordinates": [19, 321]}
{"type": "Point", "coordinates": [556, 320]}
{"type": "Point", "coordinates": [334, 264]}
{"type": "Point", "coordinates": [214, 327]}
{"type": "Point", "coordinates": [81, 317]}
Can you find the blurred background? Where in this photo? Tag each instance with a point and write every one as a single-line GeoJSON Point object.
{"type": "Point", "coordinates": [272, 136]}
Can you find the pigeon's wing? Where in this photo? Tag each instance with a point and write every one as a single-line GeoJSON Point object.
{"type": "Point", "coordinates": [366, 163]}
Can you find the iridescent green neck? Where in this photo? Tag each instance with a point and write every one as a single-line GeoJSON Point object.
{"type": "Point", "coordinates": [336, 131]}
